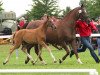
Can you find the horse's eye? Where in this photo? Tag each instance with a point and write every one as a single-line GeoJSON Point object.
{"type": "Point", "coordinates": [80, 11]}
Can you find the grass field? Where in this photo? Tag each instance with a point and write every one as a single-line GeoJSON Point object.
{"type": "Point", "coordinates": [69, 63]}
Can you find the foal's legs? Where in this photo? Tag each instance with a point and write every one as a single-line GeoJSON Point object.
{"type": "Point", "coordinates": [11, 50]}
{"type": "Point", "coordinates": [28, 51]}
{"type": "Point", "coordinates": [38, 52]}
{"type": "Point", "coordinates": [44, 45]}
{"type": "Point", "coordinates": [28, 55]}
{"type": "Point", "coordinates": [74, 46]}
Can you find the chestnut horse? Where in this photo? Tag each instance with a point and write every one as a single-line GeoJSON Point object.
{"type": "Point", "coordinates": [31, 36]}
{"type": "Point", "coordinates": [64, 34]}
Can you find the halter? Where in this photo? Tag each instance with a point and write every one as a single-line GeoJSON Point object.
{"type": "Point", "coordinates": [83, 15]}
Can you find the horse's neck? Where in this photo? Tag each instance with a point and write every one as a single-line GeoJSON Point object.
{"type": "Point", "coordinates": [71, 16]}
{"type": "Point", "coordinates": [70, 20]}
{"type": "Point", "coordinates": [44, 26]}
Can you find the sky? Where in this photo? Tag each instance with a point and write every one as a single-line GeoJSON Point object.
{"type": "Point", "coordinates": [20, 6]}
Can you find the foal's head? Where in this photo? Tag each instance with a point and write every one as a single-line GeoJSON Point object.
{"type": "Point", "coordinates": [49, 22]}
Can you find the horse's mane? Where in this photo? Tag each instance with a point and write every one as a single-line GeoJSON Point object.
{"type": "Point", "coordinates": [74, 10]}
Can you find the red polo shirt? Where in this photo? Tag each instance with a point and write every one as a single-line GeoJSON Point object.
{"type": "Point", "coordinates": [84, 29]}
{"type": "Point", "coordinates": [21, 23]}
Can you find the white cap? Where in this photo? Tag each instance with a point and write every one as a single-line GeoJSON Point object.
{"type": "Point", "coordinates": [22, 18]}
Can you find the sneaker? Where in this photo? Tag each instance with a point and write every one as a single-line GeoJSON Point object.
{"type": "Point", "coordinates": [98, 54]}
{"type": "Point", "coordinates": [98, 61]}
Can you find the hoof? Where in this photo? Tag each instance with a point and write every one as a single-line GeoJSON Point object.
{"type": "Point", "coordinates": [55, 61]}
{"type": "Point", "coordinates": [44, 63]}
{"type": "Point", "coordinates": [33, 63]}
{"type": "Point", "coordinates": [60, 61]}
{"type": "Point", "coordinates": [4, 63]}
{"type": "Point", "coordinates": [26, 62]}
{"type": "Point", "coordinates": [79, 61]}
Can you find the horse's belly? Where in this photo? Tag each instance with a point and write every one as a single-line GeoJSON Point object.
{"type": "Point", "coordinates": [30, 40]}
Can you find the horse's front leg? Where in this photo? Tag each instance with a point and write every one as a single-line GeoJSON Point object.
{"type": "Point", "coordinates": [28, 51]}
{"type": "Point", "coordinates": [28, 55]}
{"type": "Point", "coordinates": [44, 45]}
{"type": "Point", "coordinates": [74, 46]}
{"type": "Point", "coordinates": [8, 57]}
{"type": "Point", "coordinates": [67, 52]}
{"type": "Point", "coordinates": [37, 51]}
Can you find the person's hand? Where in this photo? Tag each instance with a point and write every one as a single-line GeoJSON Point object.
{"type": "Point", "coordinates": [95, 31]}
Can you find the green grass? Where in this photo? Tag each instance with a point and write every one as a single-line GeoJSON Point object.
{"type": "Point", "coordinates": [69, 63]}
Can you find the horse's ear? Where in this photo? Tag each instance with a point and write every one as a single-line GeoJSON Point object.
{"type": "Point", "coordinates": [82, 5]}
{"type": "Point", "coordinates": [47, 17]}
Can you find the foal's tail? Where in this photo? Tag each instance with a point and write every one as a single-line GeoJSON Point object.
{"type": "Point", "coordinates": [13, 38]}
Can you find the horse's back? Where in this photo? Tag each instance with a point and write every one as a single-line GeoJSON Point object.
{"type": "Point", "coordinates": [34, 24]}
{"type": "Point", "coordinates": [27, 35]}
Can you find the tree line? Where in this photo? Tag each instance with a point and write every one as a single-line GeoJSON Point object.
{"type": "Point", "coordinates": [50, 7]}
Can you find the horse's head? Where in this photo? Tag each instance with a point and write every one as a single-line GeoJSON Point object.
{"type": "Point", "coordinates": [77, 13]}
{"type": "Point", "coordinates": [49, 22]}
{"type": "Point", "coordinates": [81, 13]}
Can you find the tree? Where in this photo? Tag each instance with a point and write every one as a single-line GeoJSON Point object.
{"type": "Point", "coordinates": [66, 10]}
{"type": "Point", "coordinates": [93, 7]}
{"type": "Point", "coordinates": [41, 7]}
{"type": "Point", "coordinates": [1, 6]}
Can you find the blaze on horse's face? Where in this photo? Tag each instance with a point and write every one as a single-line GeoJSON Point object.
{"type": "Point", "coordinates": [82, 14]}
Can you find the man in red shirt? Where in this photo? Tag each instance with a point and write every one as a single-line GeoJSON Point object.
{"type": "Point", "coordinates": [85, 29]}
{"type": "Point", "coordinates": [22, 22]}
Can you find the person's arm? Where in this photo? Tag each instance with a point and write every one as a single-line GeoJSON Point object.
{"type": "Point", "coordinates": [93, 27]}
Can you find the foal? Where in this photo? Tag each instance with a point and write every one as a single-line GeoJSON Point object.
{"type": "Point", "coordinates": [31, 36]}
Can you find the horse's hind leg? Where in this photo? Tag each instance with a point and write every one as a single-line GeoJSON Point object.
{"type": "Point", "coordinates": [67, 52]}
{"type": "Point", "coordinates": [8, 57]}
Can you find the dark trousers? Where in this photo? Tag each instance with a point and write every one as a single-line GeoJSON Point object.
{"type": "Point", "coordinates": [87, 44]}
{"type": "Point", "coordinates": [98, 42]}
